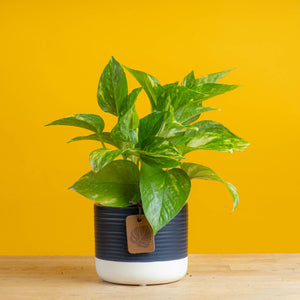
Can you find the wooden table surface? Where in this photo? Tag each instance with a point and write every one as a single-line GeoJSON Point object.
{"type": "Point", "coordinates": [251, 276]}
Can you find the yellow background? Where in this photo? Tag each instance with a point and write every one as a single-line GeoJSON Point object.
{"type": "Point", "coordinates": [52, 54]}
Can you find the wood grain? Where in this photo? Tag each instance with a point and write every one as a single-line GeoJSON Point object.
{"type": "Point", "coordinates": [252, 276]}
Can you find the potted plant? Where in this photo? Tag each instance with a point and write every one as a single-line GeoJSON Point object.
{"type": "Point", "coordinates": [139, 179]}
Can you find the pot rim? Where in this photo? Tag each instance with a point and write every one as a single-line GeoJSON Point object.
{"type": "Point", "coordinates": [114, 207]}
{"type": "Point", "coordinates": [133, 206]}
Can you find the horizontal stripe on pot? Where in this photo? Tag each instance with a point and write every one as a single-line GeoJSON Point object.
{"type": "Point", "coordinates": [171, 242]}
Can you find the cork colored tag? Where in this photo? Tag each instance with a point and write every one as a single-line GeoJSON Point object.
{"type": "Point", "coordinates": [140, 238]}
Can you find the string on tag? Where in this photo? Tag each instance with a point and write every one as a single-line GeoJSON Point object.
{"type": "Point", "coordinates": [140, 211]}
{"type": "Point", "coordinates": [139, 205]}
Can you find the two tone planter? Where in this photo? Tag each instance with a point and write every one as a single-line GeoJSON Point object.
{"type": "Point", "coordinates": [115, 264]}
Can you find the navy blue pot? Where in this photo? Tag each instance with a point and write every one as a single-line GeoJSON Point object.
{"type": "Point", "coordinates": [115, 264]}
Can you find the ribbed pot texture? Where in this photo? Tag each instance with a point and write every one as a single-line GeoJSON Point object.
{"type": "Point", "coordinates": [171, 242]}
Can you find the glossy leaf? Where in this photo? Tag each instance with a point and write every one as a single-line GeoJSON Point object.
{"type": "Point", "coordinates": [130, 101]}
{"type": "Point", "coordinates": [112, 89]}
{"type": "Point", "coordinates": [150, 84]}
{"type": "Point", "coordinates": [150, 125]}
{"type": "Point", "coordinates": [170, 84]}
{"type": "Point", "coordinates": [191, 112]}
{"type": "Point", "coordinates": [181, 95]}
{"type": "Point", "coordinates": [173, 123]}
{"type": "Point", "coordinates": [105, 137]}
{"type": "Point", "coordinates": [188, 80]}
{"type": "Point", "coordinates": [133, 126]}
{"type": "Point", "coordinates": [186, 102]}
{"type": "Point", "coordinates": [163, 194]}
{"type": "Point", "coordinates": [202, 172]}
{"type": "Point", "coordinates": [209, 90]}
{"type": "Point", "coordinates": [134, 119]}
{"type": "Point", "coordinates": [212, 78]}
{"type": "Point", "coordinates": [130, 121]}
{"type": "Point", "coordinates": [88, 121]}
{"type": "Point", "coordinates": [159, 152]}
{"type": "Point", "coordinates": [115, 185]}
{"type": "Point", "coordinates": [158, 160]}
{"type": "Point", "coordinates": [173, 126]}
{"type": "Point", "coordinates": [210, 136]}
{"type": "Point", "coordinates": [91, 137]}
{"type": "Point", "coordinates": [125, 121]}
{"type": "Point", "coordinates": [108, 139]}
{"type": "Point", "coordinates": [101, 157]}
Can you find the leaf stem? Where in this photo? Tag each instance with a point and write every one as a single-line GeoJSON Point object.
{"type": "Point", "coordinates": [102, 143]}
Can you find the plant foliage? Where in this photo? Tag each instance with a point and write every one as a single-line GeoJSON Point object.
{"type": "Point", "coordinates": [150, 151]}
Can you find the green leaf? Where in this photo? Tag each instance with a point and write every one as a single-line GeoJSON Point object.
{"type": "Point", "coordinates": [163, 194]}
{"type": "Point", "coordinates": [210, 136]}
{"type": "Point", "coordinates": [212, 78]}
{"type": "Point", "coordinates": [134, 119]}
{"type": "Point", "coordinates": [91, 137]}
{"type": "Point", "coordinates": [150, 125]}
{"type": "Point", "coordinates": [155, 159]}
{"type": "Point", "coordinates": [127, 119]}
{"type": "Point", "coordinates": [158, 160]}
{"type": "Point", "coordinates": [105, 137]}
{"type": "Point", "coordinates": [130, 101]}
{"type": "Point", "coordinates": [188, 80]}
{"type": "Point", "coordinates": [108, 139]}
{"type": "Point", "coordinates": [209, 90]}
{"type": "Point", "coordinates": [150, 84]}
{"type": "Point", "coordinates": [112, 88]}
{"type": "Point", "coordinates": [88, 121]}
{"type": "Point", "coordinates": [173, 126]}
{"type": "Point", "coordinates": [180, 96]}
{"type": "Point", "coordinates": [202, 172]}
{"type": "Point", "coordinates": [159, 152]}
{"type": "Point", "coordinates": [133, 135]}
{"type": "Point", "coordinates": [170, 84]}
{"type": "Point", "coordinates": [191, 112]}
{"type": "Point", "coordinates": [101, 157]}
{"type": "Point", "coordinates": [133, 126]}
{"type": "Point", "coordinates": [115, 185]}
{"type": "Point", "coordinates": [186, 104]}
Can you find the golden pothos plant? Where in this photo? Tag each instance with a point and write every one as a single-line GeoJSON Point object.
{"type": "Point", "coordinates": [152, 170]}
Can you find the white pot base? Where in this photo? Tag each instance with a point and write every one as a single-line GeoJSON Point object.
{"type": "Point", "coordinates": [141, 273]}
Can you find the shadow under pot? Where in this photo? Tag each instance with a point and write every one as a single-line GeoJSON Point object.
{"type": "Point", "coordinates": [115, 264]}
